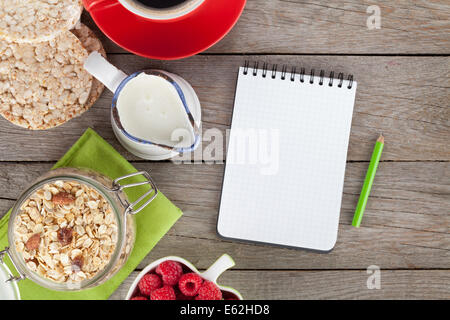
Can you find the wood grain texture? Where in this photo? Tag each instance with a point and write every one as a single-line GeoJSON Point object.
{"type": "Point", "coordinates": [405, 98]}
{"type": "Point", "coordinates": [323, 26]}
{"type": "Point", "coordinates": [395, 284]}
{"type": "Point", "coordinates": [406, 226]}
{"type": "Point", "coordinates": [406, 223]}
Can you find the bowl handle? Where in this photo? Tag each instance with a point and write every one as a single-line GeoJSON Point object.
{"type": "Point", "coordinates": [217, 268]}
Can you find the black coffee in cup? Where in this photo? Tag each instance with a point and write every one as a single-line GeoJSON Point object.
{"type": "Point", "coordinates": [160, 4]}
{"type": "Point", "coordinates": [161, 9]}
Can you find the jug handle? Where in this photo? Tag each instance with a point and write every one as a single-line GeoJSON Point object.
{"type": "Point", "coordinates": [104, 71]}
{"type": "Point", "coordinates": [95, 5]}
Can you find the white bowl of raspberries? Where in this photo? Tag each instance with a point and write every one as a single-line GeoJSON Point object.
{"type": "Point", "coordinates": [174, 278]}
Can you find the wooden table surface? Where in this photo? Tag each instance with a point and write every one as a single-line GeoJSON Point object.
{"type": "Point", "coordinates": [403, 91]}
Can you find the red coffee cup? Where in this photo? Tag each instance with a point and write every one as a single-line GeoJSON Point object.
{"type": "Point", "coordinates": [170, 33]}
{"type": "Point", "coordinates": [168, 14]}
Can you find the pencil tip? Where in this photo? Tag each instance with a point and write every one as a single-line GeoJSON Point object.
{"type": "Point", "coordinates": [381, 138]}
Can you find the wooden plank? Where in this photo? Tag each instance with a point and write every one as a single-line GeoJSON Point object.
{"type": "Point", "coordinates": [406, 223]}
{"type": "Point", "coordinates": [5, 205]}
{"type": "Point", "coordinates": [299, 26]}
{"type": "Point", "coordinates": [405, 98]}
{"type": "Point", "coordinates": [395, 284]}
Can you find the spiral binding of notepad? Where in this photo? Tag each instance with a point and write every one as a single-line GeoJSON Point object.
{"type": "Point", "coordinates": [293, 72]}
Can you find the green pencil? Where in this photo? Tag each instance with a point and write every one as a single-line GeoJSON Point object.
{"type": "Point", "coordinates": [370, 175]}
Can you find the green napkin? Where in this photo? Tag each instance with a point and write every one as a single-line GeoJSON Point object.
{"type": "Point", "coordinates": [91, 151]}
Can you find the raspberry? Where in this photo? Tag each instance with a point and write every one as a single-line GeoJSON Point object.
{"type": "Point", "coordinates": [148, 283]}
{"type": "Point", "coordinates": [164, 293]}
{"type": "Point", "coordinates": [139, 298]}
{"type": "Point", "coordinates": [209, 291]}
{"type": "Point", "coordinates": [180, 296]}
{"type": "Point", "coordinates": [189, 284]}
{"type": "Point", "coordinates": [170, 272]}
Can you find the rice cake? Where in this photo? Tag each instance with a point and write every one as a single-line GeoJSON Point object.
{"type": "Point", "coordinates": [43, 85]}
{"type": "Point", "coordinates": [37, 20]}
{"type": "Point", "coordinates": [91, 43]}
{"type": "Point", "coordinates": [88, 39]}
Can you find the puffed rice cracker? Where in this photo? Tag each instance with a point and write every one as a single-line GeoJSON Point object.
{"type": "Point", "coordinates": [43, 85]}
{"type": "Point", "coordinates": [91, 43]}
{"type": "Point", "coordinates": [37, 20]}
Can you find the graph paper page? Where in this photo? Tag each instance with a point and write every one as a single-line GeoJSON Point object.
{"type": "Point", "coordinates": [286, 160]}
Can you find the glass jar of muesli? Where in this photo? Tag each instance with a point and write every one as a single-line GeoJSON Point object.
{"type": "Point", "coordinates": [75, 228]}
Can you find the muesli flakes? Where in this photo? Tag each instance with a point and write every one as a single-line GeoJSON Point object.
{"type": "Point", "coordinates": [66, 231]}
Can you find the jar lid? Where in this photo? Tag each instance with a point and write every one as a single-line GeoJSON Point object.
{"type": "Point", "coordinates": [8, 290]}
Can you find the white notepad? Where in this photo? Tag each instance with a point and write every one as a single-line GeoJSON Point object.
{"type": "Point", "coordinates": [287, 190]}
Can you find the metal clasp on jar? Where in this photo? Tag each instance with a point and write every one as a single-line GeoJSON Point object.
{"type": "Point", "coordinates": [151, 194]}
{"type": "Point", "coordinates": [11, 276]}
